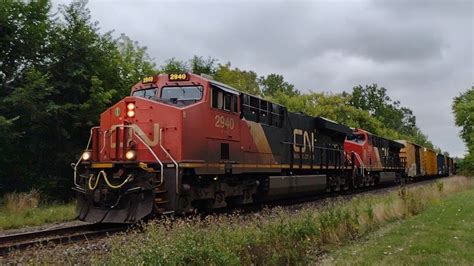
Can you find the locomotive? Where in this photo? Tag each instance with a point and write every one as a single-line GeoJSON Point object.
{"type": "Point", "coordinates": [184, 142]}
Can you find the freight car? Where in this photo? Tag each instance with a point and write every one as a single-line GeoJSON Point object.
{"type": "Point", "coordinates": [411, 154]}
{"type": "Point", "coordinates": [182, 142]}
{"type": "Point", "coordinates": [442, 161]}
{"type": "Point", "coordinates": [429, 162]}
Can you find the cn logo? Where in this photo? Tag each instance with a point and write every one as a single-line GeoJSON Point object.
{"type": "Point", "coordinates": [308, 142]}
{"type": "Point", "coordinates": [150, 142]}
{"type": "Point", "coordinates": [117, 112]}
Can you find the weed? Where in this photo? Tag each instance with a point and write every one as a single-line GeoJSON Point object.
{"type": "Point", "coordinates": [21, 202]}
{"type": "Point", "coordinates": [369, 211]}
{"type": "Point", "coordinates": [37, 216]}
{"type": "Point", "coordinates": [439, 185]}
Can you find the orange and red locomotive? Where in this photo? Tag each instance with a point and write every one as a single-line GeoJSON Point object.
{"type": "Point", "coordinates": [182, 142]}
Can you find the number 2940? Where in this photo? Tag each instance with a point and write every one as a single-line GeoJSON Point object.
{"type": "Point", "coordinates": [224, 122]}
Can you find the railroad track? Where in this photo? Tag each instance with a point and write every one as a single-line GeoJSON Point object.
{"type": "Point", "coordinates": [62, 235]}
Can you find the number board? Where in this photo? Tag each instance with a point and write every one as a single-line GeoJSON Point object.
{"type": "Point", "coordinates": [149, 79]}
{"type": "Point", "coordinates": [178, 77]}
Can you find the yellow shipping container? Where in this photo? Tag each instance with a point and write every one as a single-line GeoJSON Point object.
{"type": "Point", "coordinates": [429, 162]}
{"type": "Point", "coordinates": [411, 154]}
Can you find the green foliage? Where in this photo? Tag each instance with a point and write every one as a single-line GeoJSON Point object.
{"type": "Point", "coordinates": [133, 63]}
{"type": "Point", "coordinates": [375, 100]}
{"type": "Point", "coordinates": [199, 65]}
{"type": "Point", "coordinates": [58, 73]}
{"type": "Point", "coordinates": [367, 108]}
{"type": "Point", "coordinates": [173, 65]}
{"type": "Point", "coordinates": [242, 80]}
{"type": "Point", "coordinates": [274, 83]}
{"type": "Point", "coordinates": [463, 108]}
{"type": "Point", "coordinates": [336, 107]}
{"type": "Point", "coordinates": [24, 31]}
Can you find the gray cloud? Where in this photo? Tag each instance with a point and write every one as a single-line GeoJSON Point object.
{"type": "Point", "coordinates": [421, 51]}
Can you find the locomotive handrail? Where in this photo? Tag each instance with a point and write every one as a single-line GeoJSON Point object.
{"type": "Point", "coordinates": [103, 141]}
{"type": "Point", "coordinates": [348, 157]}
{"type": "Point", "coordinates": [361, 163]}
{"type": "Point", "coordinates": [175, 163]}
{"type": "Point", "coordinates": [152, 153]}
{"type": "Point", "coordinates": [80, 158]}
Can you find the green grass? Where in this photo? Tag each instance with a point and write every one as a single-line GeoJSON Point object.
{"type": "Point", "coordinates": [42, 214]}
{"type": "Point", "coordinates": [441, 235]}
{"type": "Point", "coordinates": [285, 236]}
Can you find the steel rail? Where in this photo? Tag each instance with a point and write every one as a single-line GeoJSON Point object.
{"type": "Point", "coordinates": [68, 234]}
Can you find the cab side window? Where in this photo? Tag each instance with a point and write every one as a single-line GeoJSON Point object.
{"type": "Point", "coordinates": [223, 100]}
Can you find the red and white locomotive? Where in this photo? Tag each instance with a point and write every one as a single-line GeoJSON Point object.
{"type": "Point", "coordinates": [182, 142]}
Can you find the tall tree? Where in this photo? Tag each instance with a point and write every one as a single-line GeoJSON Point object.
{"type": "Point", "coordinates": [133, 63]}
{"type": "Point", "coordinates": [24, 35]}
{"type": "Point", "coordinates": [200, 65]}
{"type": "Point", "coordinates": [243, 80]}
{"type": "Point", "coordinates": [24, 29]}
{"type": "Point", "coordinates": [274, 83]}
{"type": "Point", "coordinates": [58, 95]}
{"type": "Point", "coordinates": [335, 107]}
{"type": "Point", "coordinates": [463, 108]}
{"type": "Point", "coordinates": [174, 65]}
{"type": "Point", "coordinates": [375, 100]}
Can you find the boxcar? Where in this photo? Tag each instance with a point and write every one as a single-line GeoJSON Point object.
{"type": "Point", "coordinates": [429, 162]}
{"type": "Point", "coordinates": [411, 154]}
{"type": "Point", "coordinates": [442, 165]}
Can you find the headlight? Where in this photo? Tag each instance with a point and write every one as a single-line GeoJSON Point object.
{"type": "Point", "coordinates": [130, 113]}
{"type": "Point", "coordinates": [130, 155]}
{"type": "Point", "coordinates": [86, 155]}
{"type": "Point", "coordinates": [130, 109]}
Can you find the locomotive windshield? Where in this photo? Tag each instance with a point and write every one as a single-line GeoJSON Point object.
{"type": "Point", "coordinates": [147, 93]}
{"type": "Point", "coordinates": [356, 138]}
{"type": "Point", "coordinates": [184, 95]}
{"type": "Point", "coordinates": [173, 95]}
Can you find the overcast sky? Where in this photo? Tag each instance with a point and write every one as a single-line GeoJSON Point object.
{"type": "Point", "coordinates": [420, 51]}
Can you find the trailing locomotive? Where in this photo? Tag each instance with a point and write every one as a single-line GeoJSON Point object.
{"type": "Point", "coordinates": [183, 142]}
{"type": "Point", "coordinates": [377, 159]}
